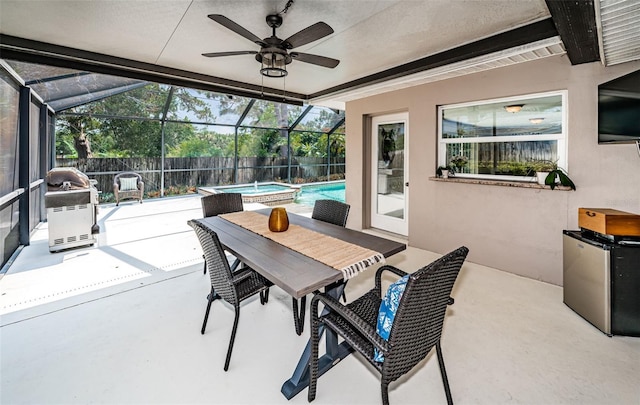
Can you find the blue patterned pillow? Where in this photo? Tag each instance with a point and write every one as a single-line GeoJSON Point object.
{"type": "Point", "coordinates": [387, 313]}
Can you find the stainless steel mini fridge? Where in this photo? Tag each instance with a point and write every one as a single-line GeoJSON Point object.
{"type": "Point", "coordinates": [601, 281]}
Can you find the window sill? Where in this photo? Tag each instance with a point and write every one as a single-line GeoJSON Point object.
{"type": "Point", "coordinates": [503, 183]}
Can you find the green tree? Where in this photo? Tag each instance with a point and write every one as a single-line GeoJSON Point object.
{"type": "Point", "coordinates": [315, 144]}
{"type": "Point", "coordinates": [263, 141]}
{"type": "Point", "coordinates": [75, 133]}
{"type": "Point", "coordinates": [128, 124]}
{"type": "Point", "coordinates": [195, 147]}
{"type": "Point", "coordinates": [307, 144]}
{"type": "Point", "coordinates": [204, 143]}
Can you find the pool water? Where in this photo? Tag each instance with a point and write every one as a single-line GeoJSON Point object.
{"type": "Point", "coordinates": [332, 191]}
{"type": "Point", "coordinates": [307, 195]}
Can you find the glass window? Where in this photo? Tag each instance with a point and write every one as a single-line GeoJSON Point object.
{"type": "Point", "coordinates": [502, 138]}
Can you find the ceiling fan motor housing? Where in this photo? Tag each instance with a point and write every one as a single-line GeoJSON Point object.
{"type": "Point", "coordinates": [274, 21]}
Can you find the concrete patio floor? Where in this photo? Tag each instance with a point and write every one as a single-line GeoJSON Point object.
{"type": "Point", "coordinates": [119, 323]}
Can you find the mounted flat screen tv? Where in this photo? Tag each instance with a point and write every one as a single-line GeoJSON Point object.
{"type": "Point", "coordinates": [619, 110]}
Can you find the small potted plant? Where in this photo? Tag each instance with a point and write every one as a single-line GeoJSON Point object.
{"type": "Point", "coordinates": [561, 175]}
{"type": "Point", "coordinates": [444, 171]}
{"type": "Point", "coordinates": [542, 168]}
{"type": "Point", "coordinates": [548, 172]}
{"type": "Point", "coordinates": [459, 162]}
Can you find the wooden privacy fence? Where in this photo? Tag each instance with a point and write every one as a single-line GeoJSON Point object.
{"type": "Point", "coordinates": [518, 151]}
{"type": "Point", "coordinates": [206, 171]}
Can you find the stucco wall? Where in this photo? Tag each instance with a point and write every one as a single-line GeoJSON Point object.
{"type": "Point", "coordinates": [518, 230]}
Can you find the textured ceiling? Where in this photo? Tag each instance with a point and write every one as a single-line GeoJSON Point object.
{"type": "Point", "coordinates": [370, 36]}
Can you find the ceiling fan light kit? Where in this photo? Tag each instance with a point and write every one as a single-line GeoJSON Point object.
{"type": "Point", "coordinates": [273, 58]}
{"type": "Point", "coordinates": [273, 65]}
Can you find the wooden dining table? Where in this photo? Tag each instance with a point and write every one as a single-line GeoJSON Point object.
{"type": "Point", "coordinates": [298, 275]}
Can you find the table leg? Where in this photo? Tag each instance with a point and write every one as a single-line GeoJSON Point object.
{"type": "Point", "coordinates": [298, 314]}
{"type": "Point", "coordinates": [334, 352]}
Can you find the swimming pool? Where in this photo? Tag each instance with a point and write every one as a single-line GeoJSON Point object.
{"type": "Point", "coordinates": [275, 193]}
{"type": "Point", "coordinates": [321, 191]}
{"type": "Point", "coordinates": [265, 193]}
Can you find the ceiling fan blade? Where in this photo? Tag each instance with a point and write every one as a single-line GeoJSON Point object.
{"type": "Point", "coordinates": [231, 53]}
{"type": "Point", "coordinates": [220, 19]}
{"type": "Point", "coordinates": [311, 33]}
{"type": "Point", "coordinates": [315, 59]}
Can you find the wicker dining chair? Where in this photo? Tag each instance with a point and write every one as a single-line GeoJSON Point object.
{"type": "Point", "coordinates": [416, 328]}
{"type": "Point", "coordinates": [333, 212]}
{"type": "Point", "coordinates": [221, 203]}
{"type": "Point", "coordinates": [232, 287]}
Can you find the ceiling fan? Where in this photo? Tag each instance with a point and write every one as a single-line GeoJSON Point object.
{"type": "Point", "coordinates": [274, 52]}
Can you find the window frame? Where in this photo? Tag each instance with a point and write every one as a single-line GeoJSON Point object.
{"type": "Point", "coordinates": [561, 138]}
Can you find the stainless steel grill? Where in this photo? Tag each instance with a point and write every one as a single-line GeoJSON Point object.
{"type": "Point", "coordinates": [72, 204]}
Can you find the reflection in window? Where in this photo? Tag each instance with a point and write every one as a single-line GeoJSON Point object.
{"type": "Point", "coordinates": [503, 138]}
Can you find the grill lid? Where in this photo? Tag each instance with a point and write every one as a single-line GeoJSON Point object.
{"type": "Point", "coordinates": [66, 178]}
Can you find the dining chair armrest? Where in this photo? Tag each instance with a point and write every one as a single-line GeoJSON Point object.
{"type": "Point", "coordinates": [362, 326]}
{"type": "Point", "coordinates": [242, 274]}
{"type": "Point", "coordinates": [392, 269]}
